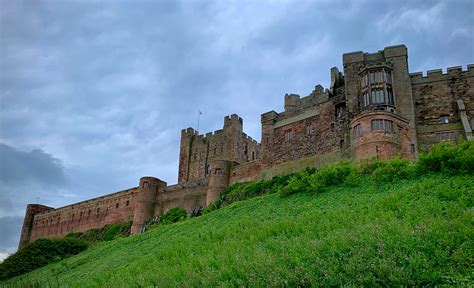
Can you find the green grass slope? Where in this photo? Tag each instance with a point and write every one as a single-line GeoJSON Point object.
{"type": "Point", "coordinates": [411, 232]}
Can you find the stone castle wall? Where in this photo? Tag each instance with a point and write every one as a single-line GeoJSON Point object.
{"type": "Point", "coordinates": [83, 216]}
{"type": "Point", "coordinates": [375, 109]}
{"type": "Point", "coordinates": [437, 110]}
{"type": "Point", "coordinates": [301, 132]}
{"type": "Point", "coordinates": [197, 152]}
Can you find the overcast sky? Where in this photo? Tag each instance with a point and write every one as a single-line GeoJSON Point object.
{"type": "Point", "coordinates": [94, 93]}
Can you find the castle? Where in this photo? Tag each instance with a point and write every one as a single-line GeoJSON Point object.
{"type": "Point", "coordinates": [376, 108]}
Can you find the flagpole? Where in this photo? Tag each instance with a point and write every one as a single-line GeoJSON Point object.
{"type": "Point", "coordinates": [199, 116]}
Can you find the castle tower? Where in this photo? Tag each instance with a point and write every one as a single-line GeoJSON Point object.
{"type": "Point", "coordinates": [267, 121]}
{"type": "Point", "coordinates": [31, 210]}
{"type": "Point", "coordinates": [187, 137]}
{"type": "Point", "coordinates": [144, 200]}
{"type": "Point", "coordinates": [379, 97]}
{"type": "Point", "coordinates": [233, 128]}
{"type": "Point", "coordinates": [218, 179]}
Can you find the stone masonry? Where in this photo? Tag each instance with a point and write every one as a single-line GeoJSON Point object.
{"type": "Point", "coordinates": [374, 109]}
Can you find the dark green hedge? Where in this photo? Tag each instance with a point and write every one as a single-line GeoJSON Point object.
{"type": "Point", "coordinates": [106, 233]}
{"type": "Point", "coordinates": [39, 253]}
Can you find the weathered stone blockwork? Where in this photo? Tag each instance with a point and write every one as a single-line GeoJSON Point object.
{"type": "Point", "coordinates": [375, 109]}
{"type": "Point", "coordinates": [197, 152]}
{"type": "Point", "coordinates": [437, 99]}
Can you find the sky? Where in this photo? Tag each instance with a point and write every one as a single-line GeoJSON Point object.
{"type": "Point", "coordinates": [94, 94]}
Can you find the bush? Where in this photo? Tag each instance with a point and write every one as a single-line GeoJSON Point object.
{"type": "Point", "coordinates": [106, 233]}
{"type": "Point", "coordinates": [331, 175]}
{"type": "Point", "coordinates": [39, 253]}
{"type": "Point", "coordinates": [242, 191]}
{"type": "Point", "coordinates": [394, 169]}
{"type": "Point", "coordinates": [449, 158]}
{"type": "Point", "coordinates": [370, 165]}
{"type": "Point", "coordinates": [173, 215]}
{"type": "Point", "coordinates": [111, 232]}
{"type": "Point", "coordinates": [297, 183]}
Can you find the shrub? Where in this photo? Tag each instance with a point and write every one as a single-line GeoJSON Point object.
{"type": "Point", "coordinates": [297, 183]}
{"type": "Point", "coordinates": [394, 169]}
{"type": "Point", "coordinates": [39, 253]}
{"type": "Point", "coordinates": [106, 233]}
{"type": "Point", "coordinates": [368, 166]}
{"type": "Point", "coordinates": [112, 232]}
{"type": "Point", "coordinates": [173, 215]}
{"type": "Point", "coordinates": [449, 158]}
{"type": "Point", "coordinates": [242, 191]}
{"type": "Point", "coordinates": [330, 175]}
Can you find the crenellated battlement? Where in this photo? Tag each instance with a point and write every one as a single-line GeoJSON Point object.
{"type": "Point", "coordinates": [232, 119]}
{"type": "Point", "coordinates": [439, 75]}
{"type": "Point", "coordinates": [189, 132]}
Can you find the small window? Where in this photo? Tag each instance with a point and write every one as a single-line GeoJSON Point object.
{"type": "Point", "coordinates": [357, 131]}
{"type": "Point", "coordinates": [145, 184]}
{"type": "Point", "coordinates": [89, 213]}
{"type": "Point", "coordinates": [446, 136]}
{"type": "Point", "coordinates": [339, 111]}
{"type": "Point", "coordinates": [390, 97]}
{"type": "Point", "coordinates": [208, 170]}
{"type": "Point", "coordinates": [288, 135]}
{"type": "Point", "coordinates": [382, 124]}
{"type": "Point", "coordinates": [443, 119]}
{"type": "Point", "coordinates": [215, 151]}
{"type": "Point", "coordinates": [218, 172]}
{"type": "Point", "coordinates": [253, 155]}
{"type": "Point", "coordinates": [309, 130]}
{"type": "Point", "coordinates": [127, 203]}
{"type": "Point", "coordinates": [117, 205]}
{"type": "Point", "coordinates": [413, 148]}
{"type": "Point", "coordinates": [341, 143]}
{"type": "Point", "coordinates": [333, 127]}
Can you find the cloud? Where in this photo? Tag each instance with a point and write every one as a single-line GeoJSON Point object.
{"type": "Point", "coordinates": [3, 256]}
{"type": "Point", "coordinates": [418, 19]}
{"type": "Point", "coordinates": [9, 239]}
{"type": "Point", "coordinates": [24, 176]}
{"type": "Point", "coordinates": [36, 166]}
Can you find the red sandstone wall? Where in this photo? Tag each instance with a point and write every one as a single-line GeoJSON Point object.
{"type": "Point", "coordinates": [245, 172]}
{"type": "Point", "coordinates": [383, 145]}
{"type": "Point", "coordinates": [83, 216]}
{"type": "Point", "coordinates": [188, 196]}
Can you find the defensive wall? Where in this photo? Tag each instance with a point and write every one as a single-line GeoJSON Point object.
{"type": "Point", "coordinates": [376, 108]}
{"type": "Point", "coordinates": [444, 104]}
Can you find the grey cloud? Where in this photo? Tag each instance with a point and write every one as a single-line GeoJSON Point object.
{"type": "Point", "coordinates": [10, 230]}
{"type": "Point", "coordinates": [35, 166]}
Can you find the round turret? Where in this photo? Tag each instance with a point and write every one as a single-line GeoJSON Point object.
{"type": "Point", "coordinates": [382, 135]}
{"type": "Point", "coordinates": [31, 210]}
{"type": "Point", "coordinates": [144, 202]}
{"type": "Point", "coordinates": [218, 179]}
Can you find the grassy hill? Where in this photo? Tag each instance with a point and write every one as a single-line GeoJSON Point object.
{"type": "Point", "coordinates": [411, 230]}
